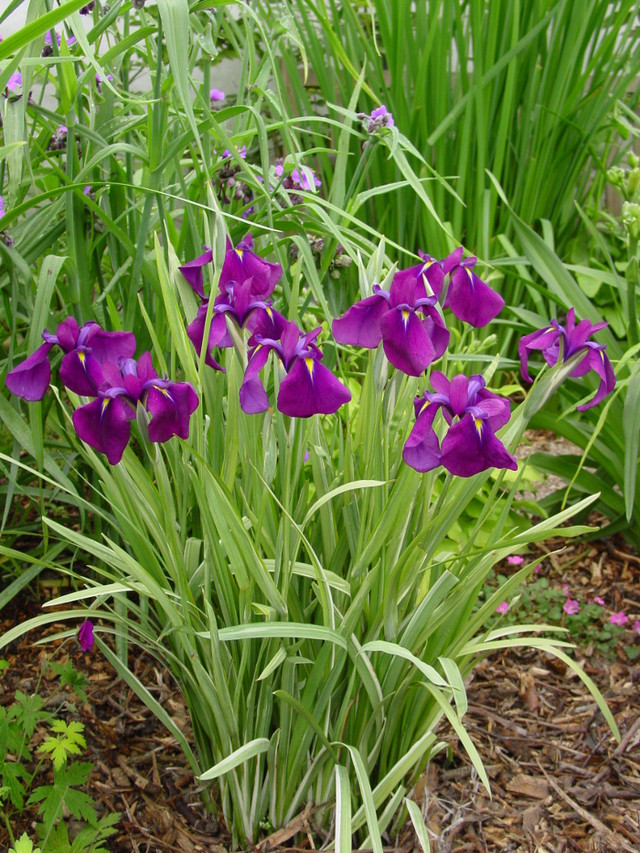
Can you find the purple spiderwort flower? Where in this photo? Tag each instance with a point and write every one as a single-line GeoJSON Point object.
{"type": "Point", "coordinates": [216, 95]}
{"type": "Point", "coordinates": [85, 636]}
{"type": "Point", "coordinates": [562, 342]}
{"type": "Point", "coordinates": [13, 83]}
{"type": "Point", "coordinates": [241, 152]}
{"type": "Point", "coordinates": [404, 318]}
{"type": "Point", "coordinates": [104, 423]}
{"type": "Point", "coordinates": [2, 210]}
{"type": "Point", "coordinates": [571, 607]}
{"type": "Point", "coordinates": [85, 350]}
{"type": "Point", "coordinates": [309, 388]}
{"type": "Point", "coordinates": [473, 414]}
{"type": "Point", "coordinates": [296, 180]}
{"type": "Point", "coordinates": [85, 10]}
{"type": "Point", "coordinates": [99, 80]}
{"type": "Point", "coordinates": [502, 608]}
{"type": "Point", "coordinates": [515, 560]}
{"type": "Point", "coordinates": [377, 119]}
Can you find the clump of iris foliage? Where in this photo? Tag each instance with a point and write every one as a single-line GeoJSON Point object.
{"type": "Point", "coordinates": [278, 447]}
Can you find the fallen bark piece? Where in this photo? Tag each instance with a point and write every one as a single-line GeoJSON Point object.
{"type": "Point", "coordinates": [528, 786]}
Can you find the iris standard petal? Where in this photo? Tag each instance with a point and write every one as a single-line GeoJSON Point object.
{"type": "Point", "coordinates": [31, 378]}
{"type": "Point", "coordinates": [470, 447]}
{"type": "Point", "coordinates": [309, 389]}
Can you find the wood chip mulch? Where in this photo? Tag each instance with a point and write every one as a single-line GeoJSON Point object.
{"type": "Point", "coordinates": [560, 782]}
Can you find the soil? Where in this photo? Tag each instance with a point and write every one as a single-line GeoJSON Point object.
{"type": "Point", "coordinates": [559, 779]}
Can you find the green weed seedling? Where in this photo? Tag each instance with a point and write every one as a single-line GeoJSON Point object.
{"type": "Point", "coordinates": [23, 765]}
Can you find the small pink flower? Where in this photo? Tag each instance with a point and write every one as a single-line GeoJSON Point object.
{"type": "Point", "coordinates": [571, 606]}
{"type": "Point", "coordinates": [85, 635]}
{"type": "Point", "coordinates": [217, 95]}
{"type": "Point", "coordinates": [565, 588]}
{"type": "Point", "coordinates": [636, 626]}
{"type": "Point", "coordinates": [537, 569]}
{"type": "Point", "coordinates": [598, 600]}
{"type": "Point", "coordinates": [618, 618]}
{"type": "Point", "coordinates": [515, 560]}
{"type": "Point", "coordinates": [502, 608]}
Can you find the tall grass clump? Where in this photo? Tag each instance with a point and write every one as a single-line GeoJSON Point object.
{"type": "Point", "coordinates": [289, 494]}
{"type": "Point", "coordinates": [522, 90]}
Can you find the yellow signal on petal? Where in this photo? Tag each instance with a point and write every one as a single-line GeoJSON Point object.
{"type": "Point", "coordinates": [309, 363]}
{"type": "Point", "coordinates": [405, 317]}
{"type": "Point", "coordinates": [478, 423]}
{"type": "Point", "coordinates": [105, 403]}
{"type": "Point", "coordinates": [424, 407]}
{"type": "Point", "coordinates": [82, 356]}
{"type": "Point", "coordinates": [239, 253]}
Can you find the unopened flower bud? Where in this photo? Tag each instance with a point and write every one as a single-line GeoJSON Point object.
{"type": "Point", "coordinates": [633, 182]}
{"type": "Point", "coordinates": [631, 218]}
{"type": "Point", "coordinates": [632, 159]}
{"type": "Point", "coordinates": [615, 176]}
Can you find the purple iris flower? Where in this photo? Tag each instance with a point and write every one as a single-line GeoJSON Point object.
{"type": "Point", "coordinates": [246, 282]}
{"type": "Point", "coordinates": [85, 350]}
{"type": "Point", "coordinates": [309, 388]}
{"type": "Point", "coordinates": [85, 635]}
{"type": "Point", "coordinates": [473, 414]}
{"type": "Point", "coordinates": [562, 342]}
{"type": "Point", "coordinates": [240, 263]}
{"type": "Point", "coordinates": [404, 318]}
{"type": "Point", "coordinates": [104, 423]}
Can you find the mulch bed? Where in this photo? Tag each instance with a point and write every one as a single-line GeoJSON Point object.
{"type": "Point", "coordinates": [560, 782]}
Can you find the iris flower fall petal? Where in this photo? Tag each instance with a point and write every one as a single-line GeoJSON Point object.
{"type": "Point", "coordinates": [468, 297]}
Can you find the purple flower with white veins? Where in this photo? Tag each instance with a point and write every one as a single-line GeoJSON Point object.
{"type": "Point", "coordinates": [404, 318]}
{"type": "Point", "coordinates": [473, 413]}
{"type": "Point", "coordinates": [309, 388]}
{"type": "Point", "coordinates": [85, 349]}
{"type": "Point", "coordinates": [563, 342]}
{"type": "Point", "coordinates": [104, 423]}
